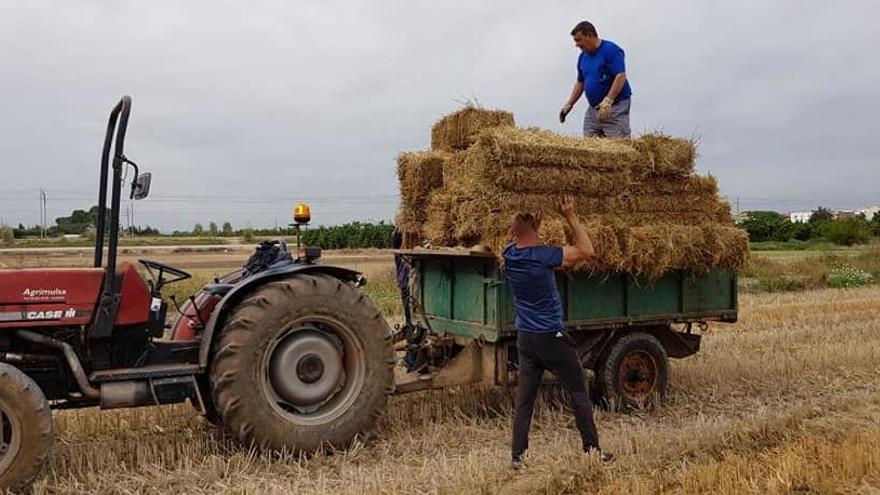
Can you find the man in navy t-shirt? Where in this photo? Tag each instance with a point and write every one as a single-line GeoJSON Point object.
{"type": "Point", "coordinates": [542, 342]}
{"type": "Point", "coordinates": [601, 77]}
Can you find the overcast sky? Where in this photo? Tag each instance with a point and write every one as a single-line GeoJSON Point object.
{"type": "Point", "coordinates": [242, 108]}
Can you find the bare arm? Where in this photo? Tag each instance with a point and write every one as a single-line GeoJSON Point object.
{"type": "Point", "coordinates": [576, 93]}
{"type": "Point", "coordinates": [616, 86]}
{"type": "Point", "coordinates": [582, 249]}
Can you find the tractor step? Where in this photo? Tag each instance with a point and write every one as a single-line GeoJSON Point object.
{"type": "Point", "coordinates": [145, 372]}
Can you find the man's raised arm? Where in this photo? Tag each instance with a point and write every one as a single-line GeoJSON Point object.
{"type": "Point", "coordinates": [582, 249]}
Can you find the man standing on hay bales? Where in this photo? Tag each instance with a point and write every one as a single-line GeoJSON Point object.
{"type": "Point", "coordinates": [602, 79]}
{"type": "Point", "coordinates": [542, 342]}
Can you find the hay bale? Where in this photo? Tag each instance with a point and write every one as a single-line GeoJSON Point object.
{"type": "Point", "coordinates": [665, 155]}
{"type": "Point", "coordinates": [512, 147]}
{"type": "Point", "coordinates": [419, 174]}
{"type": "Point", "coordinates": [439, 228]}
{"type": "Point", "coordinates": [459, 130]}
{"type": "Point", "coordinates": [557, 181]}
{"type": "Point", "coordinates": [656, 154]}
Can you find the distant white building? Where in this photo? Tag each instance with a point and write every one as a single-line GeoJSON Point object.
{"type": "Point", "coordinates": [800, 216]}
{"type": "Point", "coordinates": [868, 211]}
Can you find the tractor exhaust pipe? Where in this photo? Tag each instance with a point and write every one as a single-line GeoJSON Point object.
{"type": "Point", "coordinates": [73, 362]}
{"type": "Point", "coordinates": [128, 393]}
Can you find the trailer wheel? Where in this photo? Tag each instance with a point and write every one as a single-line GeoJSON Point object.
{"type": "Point", "coordinates": [634, 373]}
{"type": "Point", "coordinates": [25, 429]}
{"type": "Point", "coordinates": [303, 363]}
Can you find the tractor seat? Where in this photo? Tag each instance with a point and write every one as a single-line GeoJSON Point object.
{"type": "Point", "coordinates": [218, 289]}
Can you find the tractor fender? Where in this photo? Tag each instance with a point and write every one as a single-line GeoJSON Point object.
{"type": "Point", "coordinates": [240, 291]}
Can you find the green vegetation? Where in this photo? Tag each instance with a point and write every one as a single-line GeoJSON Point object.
{"type": "Point", "coordinates": [82, 223]}
{"type": "Point", "coordinates": [771, 227]}
{"type": "Point", "coordinates": [836, 269]}
{"type": "Point", "coordinates": [796, 245]}
{"type": "Point", "coordinates": [89, 241]}
{"type": "Point", "coordinates": [847, 231]}
{"type": "Point", "coordinates": [7, 237]}
{"type": "Point", "coordinates": [79, 222]}
{"type": "Point", "coordinates": [847, 277]}
{"type": "Point", "coordinates": [350, 236]}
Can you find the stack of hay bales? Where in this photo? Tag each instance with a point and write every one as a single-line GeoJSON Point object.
{"type": "Point", "coordinates": [645, 209]}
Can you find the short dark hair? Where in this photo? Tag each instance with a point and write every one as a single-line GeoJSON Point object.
{"type": "Point", "coordinates": [524, 223]}
{"type": "Point", "coordinates": [586, 28]}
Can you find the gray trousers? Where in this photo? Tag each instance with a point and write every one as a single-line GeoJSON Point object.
{"type": "Point", "coordinates": [615, 126]}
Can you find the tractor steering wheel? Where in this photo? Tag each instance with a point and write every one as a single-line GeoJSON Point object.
{"type": "Point", "coordinates": [157, 273]}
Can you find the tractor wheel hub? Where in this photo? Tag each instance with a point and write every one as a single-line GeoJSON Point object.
{"type": "Point", "coordinates": [306, 368]}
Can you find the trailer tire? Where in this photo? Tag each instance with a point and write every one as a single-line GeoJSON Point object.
{"type": "Point", "coordinates": [302, 363]}
{"type": "Point", "coordinates": [634, 373]}
{"type": "Point", "coordinates": [26, 435]}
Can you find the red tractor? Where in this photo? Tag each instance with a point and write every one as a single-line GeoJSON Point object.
{"type": "Point", "coordinates": [291, 355]}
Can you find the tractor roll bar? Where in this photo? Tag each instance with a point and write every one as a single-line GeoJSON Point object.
{"type": "Point", "coordinates": [119, 114]}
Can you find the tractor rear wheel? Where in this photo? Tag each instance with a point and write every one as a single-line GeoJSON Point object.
{"type": "Point", "coordinates": [634, 373]}
{"type": "Point", "coordinates": [302, 363]}
{"type": "Point", "coordinates": [25, 429]}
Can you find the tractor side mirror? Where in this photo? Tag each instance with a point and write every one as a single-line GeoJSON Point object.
{"type": "Point", "coordinates": [140, 188]}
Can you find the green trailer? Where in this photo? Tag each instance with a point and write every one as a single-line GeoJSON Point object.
{"type": "Point", "coordinates": [624, 328]}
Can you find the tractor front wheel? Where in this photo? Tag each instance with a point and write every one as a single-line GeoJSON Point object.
{"type": "Point", "coordinates": [302, 363]}
{"type": "Point", "coordinates": [25, 429]}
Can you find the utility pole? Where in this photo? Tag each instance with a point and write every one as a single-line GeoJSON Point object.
{"type": "Point", "coordinates": [129, 217]}
{"type": "Point", "coordinates": [737, 205]}
{"type": "Point", "coordinates": [43, 213]}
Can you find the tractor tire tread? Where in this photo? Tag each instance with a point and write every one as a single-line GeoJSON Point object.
{"type": "Point", "coordinates": [243, 407]}
{"type": "Point", "coordinates": [19, 391]}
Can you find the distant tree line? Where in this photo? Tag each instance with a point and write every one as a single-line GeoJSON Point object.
{"type": "Point", "coordinates": [352, 235]}
{"type": "Point", "coordinates": [771, 226]}
{"type": "Point", "coordinates": [79, 222]}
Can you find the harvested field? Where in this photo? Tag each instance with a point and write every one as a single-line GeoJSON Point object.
{"type": "Point", "coordinates": [777, 403]}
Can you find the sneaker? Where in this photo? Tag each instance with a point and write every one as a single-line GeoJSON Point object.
{"type": "Point", "coordinates": [516, 462]}
{"type": "Point", "coordinates": [605, 457]}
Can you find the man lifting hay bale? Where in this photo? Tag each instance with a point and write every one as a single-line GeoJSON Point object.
{"type": "Point", "coordinates": [542, 342]}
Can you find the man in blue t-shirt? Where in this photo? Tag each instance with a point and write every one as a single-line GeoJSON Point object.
{"type": "Point", "coordinates": [542, 342]}
{"type": "Point", "coordinates": [601, 77]}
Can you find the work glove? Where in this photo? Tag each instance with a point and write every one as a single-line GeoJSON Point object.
{"type": "Point", "coordinates": [564, 112]}
{"type": "Point", "coordinates": [605, 108]}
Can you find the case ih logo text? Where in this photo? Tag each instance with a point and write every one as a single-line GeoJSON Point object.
{"type": "Point", "coordinates": [55, 293]}
{"type": "Point", "coordinates": [44, 315]}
